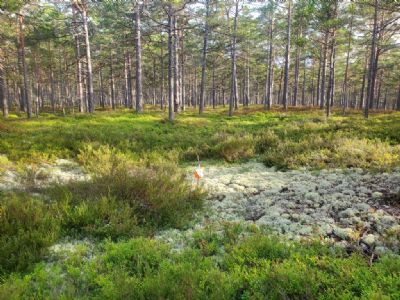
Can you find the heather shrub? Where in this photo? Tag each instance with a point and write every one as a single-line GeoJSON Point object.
{"type": "Point", "coordinates": [155, 194]}
{"type": "Point", "coordinates": [235, 147]}
{"type": "Point", "coordinates": [27, 227]}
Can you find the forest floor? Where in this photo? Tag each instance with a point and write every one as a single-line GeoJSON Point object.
{"type": "Point", "coordinates": [344, 207]}
{"type": "Point", "coordinates": [106, 206]}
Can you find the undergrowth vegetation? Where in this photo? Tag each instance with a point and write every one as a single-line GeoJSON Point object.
{"type": "Point", "coordinates": [124, 198]}
{"type": "Point", "coordinates": [284, 139]}
{"type": "Point", "coordinates": [137, 188]}
{"type": "Point", "coordinates": [256, 267]}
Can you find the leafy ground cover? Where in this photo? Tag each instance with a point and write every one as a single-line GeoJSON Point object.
{"type": "Point", "coordinates": [137, 188]}
{"type": "Point", "coordinates": [285, 139]}
{"type": "Point", "coordinates": [256, 267]}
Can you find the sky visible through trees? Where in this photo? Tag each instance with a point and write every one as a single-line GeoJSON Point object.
{"type": "Point", "coordinates": [80, 55]}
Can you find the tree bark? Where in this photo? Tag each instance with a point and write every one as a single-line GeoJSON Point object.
{"type": "Point", "coordinates": [204, 59]}
{"type": "Point", "coordinates": [303, 88]}
{"type": "Point", "coordinates": [79, 86]}
{"type": "Point", "coordinates": [398, 99]}
{"type": "Point", "coordinates": [162, 74]}
{"type": "Point", "coordinates": [89, 75]}
{"type": "Point", "coordinates": [270, 81]}
{"type": "Point", "coordinates": [323, 75]}
{"type": "Point", "coordinates": [319, 77]}
{"type": "Point", "coordinates": [362, 92]}
{"type": "Point", "coordinates": [126, 100]}
{"type": "Point", "coordinates": [234, 88]}
{"type": "Point", "coordinates": [246, 88]}
{"type": "Point", "coordinates": [182, 71]}
{"type": "Point", "coordinates": [344, 97]}
{"type": "Point", "coordinates": [112, 83]}
{"type": "Point", "coordinates": [24, 67]}
{"type": "Point", "coordinates": [102, 98]}
{"type": "Point", "coordinates": [176, 74]}
{"type": "Point", "coordinates": [138, 48]}
{"type": "Point", "coordinates": [296, 73]}
{"type": "Point", "coordinates": [287, 57]}
{"type": "Point", "coordinates": [3, 98]}
{"type": "Point", "coordinates": [331, 83]}
{"type": "Point", "coordinates": [371, 69]}
{"type": "Point", "coordinates": [213, 86]}
{"type": "Point", "coordinates": [170, 63]}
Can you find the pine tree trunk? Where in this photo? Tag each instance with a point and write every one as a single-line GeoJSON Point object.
{"type": "Point", "coordinates": [331, 87]}
{"type": "Point", "coordinates": [204, 59]}
{"type": "Point", "coordinates": [195, 88]}
{"type": "Point", "coordinates": [21, 91]}
{"type": "Point", "coordinates": [89, 75]}
{"type": "Point", "coordinates": [296, 74]}
{"type": "Point", "coordinates": [398, 99]}
{"type": "Point", "coordinates": [213, 86]}
{"type": "Point", "coordinates": [234, 86]}
{"type": "Point", "coordinates": [385, 100]}
{"type": "Point", "coordinates": [4, 92]}
{"type": "Point", "coordinates": [170, 63]}
{"type": "Point", "coordinates": [176, 64]}
{"type": "Point", "coordinates": [182, 71]}
{"type": "Point", "coordinates": [303, 88]}
{"type": "Point", "coordinates": [24, 66]}
{"type": "Point", "coordinates": [138, 51]}
{"type": "Point", "coordinates": [270, 81]}
{"type": "Point", "coordinates": [126, 100]}
{"type": "Point", "coordinates": [247, 84]}
{"type": "Point", "coordinates": [379, 88]}
{"type": "Point", "coordinates": [3, 98]}
{"type": "Point", "coordinates": [154, 82]}
{"type": "Point", "coordinates": [371, 69]}
{"type": "Point", "coordinates": [257, 93]}
{"type": "Point", "coordinates": [112, 83]}
{"type": "Point", "coordinates": [79, 86]}
{"type": "Point", "coordinates": [362, 92]}
{"type": "Point", "coordinates": [332, 96]}
{"type": "Point", "coordinates": [318, 92]}
{"type": "Point", "coordinates": [287, 57]}
{"type": "Point", "coordinates": [344, 98]}
{"type": "Point", "coordinates": [323, 72]}
{"type": "Point", "coordinates": [312, 92]}
{"type": "Point", "coordinates": [162, 74]}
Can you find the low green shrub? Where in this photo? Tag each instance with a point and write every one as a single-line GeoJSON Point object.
{"type": "Point", "coordinates": [27, 227]}
{"type": "Point", "coordinates": [5, 164]}
{"type": "Point", "coordinates": [235, 147]}
{"type": "Point", "coordinates": [104, 217]}
{"type": "Point", "coordinates": [256, 250]}
{"type": "Point", "coordinates": [154, 194]}
{"type": "Point", "coordinates": [257, 267]}
{"type": "Point", "coordinates": [365, 153]}
{"type": "Point", "coordinates": [267, 141]}
{"type": "Point", "coordinates": [332, 151]}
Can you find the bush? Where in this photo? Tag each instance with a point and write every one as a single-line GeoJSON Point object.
{"type": "Point", "coordinates": [258, 267]}
{"type": "Point", "coordinates": [27, 228]}
{"type": "Point", "coordinates": [103, 217]}
{"type": "Point", "coordinates": [267, 141]}
{"type": "Point", "coordinates": [364, 153]}
{"type": "Point", "coordinates": [154, 194]}
{"type": "Point", "coordinates": [257, 249]}
{"type": "Point", "coordinates": [332, 151]}
{"type": "Point", "coordinates": [5, 164]}
{"type": "Point", "coordinates": [235, 147]}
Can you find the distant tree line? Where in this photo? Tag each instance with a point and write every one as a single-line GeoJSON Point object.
{"type": "Point", "coordinates": [81, 55]}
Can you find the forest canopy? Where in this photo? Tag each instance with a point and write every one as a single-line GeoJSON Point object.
{"type": "Point", "coordinates": [81, 55]}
